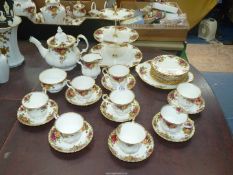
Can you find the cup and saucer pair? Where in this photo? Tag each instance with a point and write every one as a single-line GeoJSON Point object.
{"type": "Point", "coordinates": [36, 109]}
{"type": "Point", "coordinates": [83, 91]}
{"type": "Point", "coordinates": [188, 97]}
{"type": "Point", "coordinates": [70, 133]}
{"type": "Point", "coordinates": [119, 109]}
{"type": "Point", "coordinates": [172, 124]}
{"type": "Point", "coordinates": [130, 142]}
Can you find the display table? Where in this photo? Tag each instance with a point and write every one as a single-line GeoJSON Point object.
{"type": "Point", "coordinates": [26, 151]}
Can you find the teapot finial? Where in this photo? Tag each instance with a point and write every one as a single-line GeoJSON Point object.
{"type": "Point", "coordinates": [61, 37]}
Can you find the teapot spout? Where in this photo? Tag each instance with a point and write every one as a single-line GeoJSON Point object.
{"type": "Point", "coordinates": [43, 51]}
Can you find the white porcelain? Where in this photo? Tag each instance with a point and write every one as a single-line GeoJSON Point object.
{"type": "Point", "coordinates": [120, 100]}
{"type": "Point", "coordinates": [83, 86]}
{"type": "Point", "coordinates": [173, 118]}
{"type": "Point", "coordinates": [90, 64]}
{"type": "Point", "coordinates": [116, 34]}
{"type": "Point", "coordinates": [4, 69]}
{"type": "Point", "coordinates": [79, 9]}
{"type": "Point", "coordinates": [69, 125]}
{"type": "Point", "coordinates": [131, 135]}
{"type": "Point", "coordinates": [53, 12]}
{"type": "Point", "coordinates": [9, 43]}
{"type": "Point", "coordinates": [112, 54]}
{"type": "Point", "coordinates": [62, 50]}
{"type": "Point", "coordinates": [117, 75]}
{"type": "Point", "coordinates": [143, 70]}
{"type": "Point", "coordinates": [93, 12]}
{"type": "Point", "coordinates": [53, 80]}
{"type": "Point", "coordinates": [187, 92]}
{"type": "Point", "coordinates": [35, 104]}
{"type": "Point", "coordinates": [24, 8]}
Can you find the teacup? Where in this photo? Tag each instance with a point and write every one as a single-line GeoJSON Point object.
{"type": "Point", "coordinates": [120, 100]}
{"type": "Point", "coordinates": [53, 80]}
{"type": "Point", "coordinates": [173, 118]}
{"type": "Point", "coordinates": [82, 86]}
{"type": "Point", "coordinates": [187, 93]}
{"type": "Point", "coordinates": [118, 75]}
{"type": "Point", "coordinates": [36, 104]}
{"type": "Point", "coordinates": [131, 135]}
{"type": "Point", "coordinates": [79, 9]}
{"type": "Point", "coordinates": [70, 126]}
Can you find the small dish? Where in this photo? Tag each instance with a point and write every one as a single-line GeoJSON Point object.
{"type": "Point", "coordinates": [143, 71]}
{"type": "Point", "coordinates": [198, 104]}
{"type": "Point", "coordinates": [23, 117]}
{"type": "Point", "coordinates": [145, 150]}
{"type": "Point", "coordinates": [106, 82]}
{"type": "Point", "coordinates": [74, 99]}
{"type": "Point", "coordinates": [116, 14]}
{"type": "Point", "coordinates": [56, 142]}
{"type": "Point", "coordinates": [182, 136]}
{"type": "Point", "coordinates": [109, 113]}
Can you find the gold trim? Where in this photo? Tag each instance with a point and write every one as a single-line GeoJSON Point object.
{"type": "Point", "coordinates": [166, 136]}
{"type": "Point", "coordinates": [171, 102]}
{"type": "Point", "coordinates": [26, 121]}
{"type": "Point", "coordinates": [75, 148]}
{"type": "Point", "coordinates": [130, 158]}
{"type": "Point", "coordinates": [98, 91]}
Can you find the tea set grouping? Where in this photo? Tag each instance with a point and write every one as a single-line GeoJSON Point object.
{"type": "Point", "coordinates": [112, 59]}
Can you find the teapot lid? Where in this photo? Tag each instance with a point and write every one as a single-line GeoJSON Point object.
{"type": "Point", "coordinates": [79, 5]}
{"type": "Point", "coordinates": [61, 39]}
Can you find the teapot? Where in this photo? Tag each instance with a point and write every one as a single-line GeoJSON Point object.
{"type": "Point", "coordinates": [62, 50]}
{"type": "Point", "coordinates": [53, 12]}
{"type": "Point", "coordinates": [79, 9]}
{"type": "Point", "coordinates": [90, 64]}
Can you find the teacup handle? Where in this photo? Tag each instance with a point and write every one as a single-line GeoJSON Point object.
{"type": "Point", "coordinates": [68, 84]}
{"type": "Point", "coordinates": [93, 6]}
{"type": "Point", "coordinates": [105, 98]}
{"type": "Point", "coordinates": [56, 116]}
{"type": "Point", "coordinates": [44, 89]}
{"type": "Point", "coordinates": [105, 71]}
{"type": "Point", "coordinates": [105, 4]}
{"type": "Point", "coordinates": [86, 41]}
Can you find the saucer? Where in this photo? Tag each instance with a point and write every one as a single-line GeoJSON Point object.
{"type": "Point", "coordinates": [112, 54]}
{"type": "Point", "coordinates": [146, 149]}
{"type": "Point", "coordinates": [106, 82]}
{"type": "Point", "coordinates": [182, 136]}
{"type": "Point", "coordinates": [109, 113]}
{"type": "Point", "coordinates": [74, 99]}
{"type": "Point", "coordinates": [198, 104]}
{"type": "Point", "coordinates": [56, 142]}
{"type": "Point", "coordinates": [23, 117]}
{"type": "Point", "coordinates": [116, 34]}
{"type": "Point", "coordinates": [143, 71]}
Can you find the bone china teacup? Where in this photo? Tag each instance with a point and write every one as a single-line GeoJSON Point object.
{"type": "Point", "coordinates": [83, 86]}
{"type": "Point", "coordinates": [120, 100]}
{"type": "Point", "coordinates": [173, 118]}
{"type": "Point", "coordinates": [36, 104]}
{"type": "Point", "coordinates": [118, 75]}
{"type": "Point", "coordinates": [130, 134]}
{"type": "Point", "coordinates": [187, 92]}
{"type": "Point", "coordinates": [70, 126]}
{"type": "Point", "coordinates": [53, 80]}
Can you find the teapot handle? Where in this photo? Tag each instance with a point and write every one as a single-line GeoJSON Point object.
{"type": "Point", "coordinates": [86, 41]}
{"type": "Point", "coordinates": [93, 6]}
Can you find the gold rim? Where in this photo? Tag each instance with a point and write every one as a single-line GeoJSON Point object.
{"type": "Point", "coordinates": [99, 93]}
{"type": "Point", "coordinates": [148, 140]}
{"type": "Point", "coordinates": [170, 101]}
{"type": "Point", "coordinates": [132, 115]}
{"type": "Point", "coordinates": [129, 86]}
{"type": "Point", "coordinates": [26, 121]}
{"type": "Point", "coordinates": [165, 135]}
{"type": "Point", "coordinates": [75, 148]}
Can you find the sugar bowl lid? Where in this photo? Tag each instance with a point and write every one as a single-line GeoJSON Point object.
{"type": "Point", "coordinates": [61, 40]}
{"type": "Point", "coordinates": [52, 2]}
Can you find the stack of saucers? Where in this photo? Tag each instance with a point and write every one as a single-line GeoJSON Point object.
{"type": "Point", "coordinates": [169, 69]}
